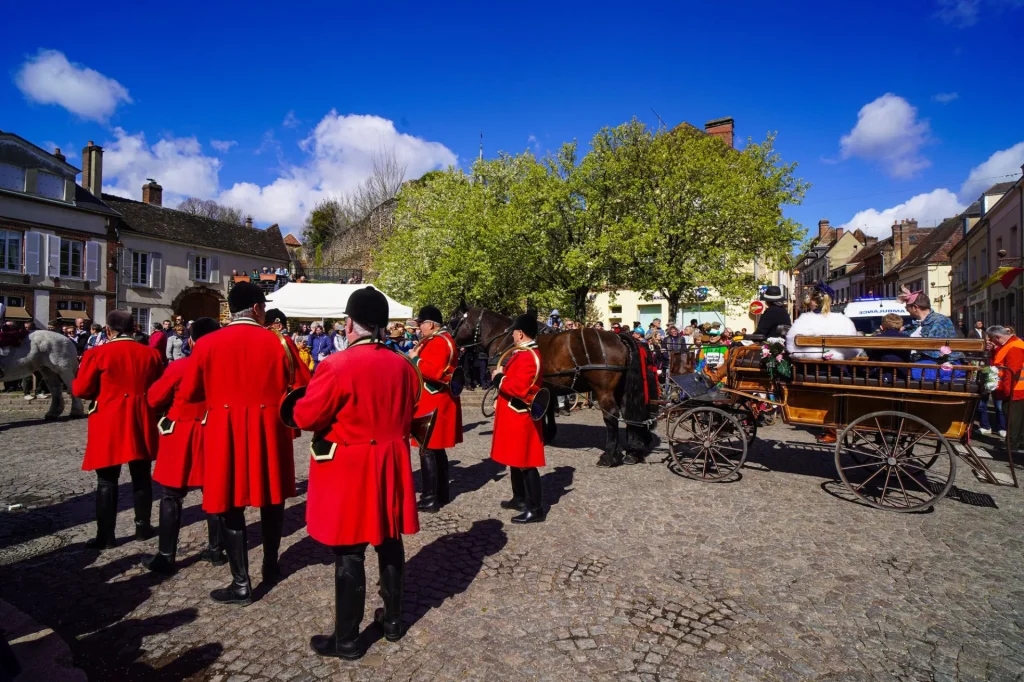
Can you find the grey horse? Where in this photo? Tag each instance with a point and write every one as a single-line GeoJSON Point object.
{"type": "Point", "coordinates": [55, 357]}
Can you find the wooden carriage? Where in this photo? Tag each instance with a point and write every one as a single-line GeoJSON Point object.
{"type": "Point", "coordinates": [900, 427]}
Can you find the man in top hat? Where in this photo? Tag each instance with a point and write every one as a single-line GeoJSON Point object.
{"type": "Point", "coordinates": [179, 463]}
{"type": "Point", "coordinates": [247, 450]}
{"type": "Point", "coordinates": [122, 426]}
{"type": "Point", "coordinates": [518, 441]}
{"type": "Point", "coordinates": [361, 403]}
{"type": "Point", "coordinates": [437, 357]}
{"type": "Point", "coordinates": [775, 315]}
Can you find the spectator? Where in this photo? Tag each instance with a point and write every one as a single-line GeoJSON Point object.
{"type": "Point", "coordinates": [694, 323]}
{"type": "Point", "coordinates": [98, 337]}
{"type": "Point", "coordinates": [174, 344]}
{"type": "Point", "coordinates": [675, 346]}
{"type": "Point", "coordinates": [891, 326]}
{"type": "Point", "coordinates": [140, 336]}
{"type": "Point", "coordinates": [655, 333]}
{"type": "Point", "coordinates": [929, 324]}
{"type": "Point", "coordinates": [338, 339]}
{"type": "Point", "coordinates": [320, 345]}
{"type": "Point", "coordinates": [304, 355]}
{"type": "Point", "coordinates": [302, 334]}
{"type": "Point", "coordinates": [637, 327]}
{"type": "Point", "coordinates": [158, 339]}
{"type": "Point", "coordinates": [186, 348]}
{"type": "Point", "coordinates": [168, 328]}
{"type": "Point", "coordinates": [81, 335]}
{"type": "Point", "coordinates": [1008, 351]}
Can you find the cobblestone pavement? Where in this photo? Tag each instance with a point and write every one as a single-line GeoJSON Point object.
{"type": "Point", "coordinates": [638, 574]}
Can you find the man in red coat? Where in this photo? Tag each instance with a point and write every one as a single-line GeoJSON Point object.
{"type": "Point", "coordinates": [518, 441]}
{"type": "Point", "coordinates": [437, 357]}
{"type": "Point", "coordinates": [243, 372]}
{"type": "Point", "coordinates": [360, 405]}
{"type": "Point", "coordinates": [179, 462]}
{"type": "Point", "coordinates": [122, 426]}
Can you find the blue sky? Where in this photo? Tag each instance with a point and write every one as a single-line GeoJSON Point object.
{"type": "Point", "coordinates": [889, 107]}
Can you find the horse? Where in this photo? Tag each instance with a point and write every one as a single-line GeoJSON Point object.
{"type": "Point", "coordinates": [51, 354]}
{"type": "Point", "coordinates": [580, 360]}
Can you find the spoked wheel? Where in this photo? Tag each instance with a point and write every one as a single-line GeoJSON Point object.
{"type": "Point", "coordinates": [749, 423]}
{"type": "Point", "coordinates": [487, 405]}
{"type": "Point", "coordinates": [707, 444]}
{"type": "Point", "coordinates": [895, 461]}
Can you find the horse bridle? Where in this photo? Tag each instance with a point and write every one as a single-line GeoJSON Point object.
{"type": "Point", "coordinates": [477, 330]}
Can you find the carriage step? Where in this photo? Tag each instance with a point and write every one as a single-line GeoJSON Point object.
{"type": "Point", "coordinates": [1003, 479]}
{"type": "Point", "coordinates": [962, 450]}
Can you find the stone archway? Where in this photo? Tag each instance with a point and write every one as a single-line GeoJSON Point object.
{"type": "Point", "coordinates": [195, 302]}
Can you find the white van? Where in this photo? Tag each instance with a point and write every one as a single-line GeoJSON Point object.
{"type": "Point", "coordinates": [867, 313]}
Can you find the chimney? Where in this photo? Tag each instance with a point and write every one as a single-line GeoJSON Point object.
{"type": "Point", "coordinates": [839, 233]}
{"type": "Point", "coordinates": [152, 193]}
{"type": "Point", "coordinates": [720, 128]}
{"type": "Point", "coordinates": [92, 168]}
{"type": "Point", "coordinates": [56, 152]}
{"type": "Point", "coordinates": [822, 228]}
{"type": "Point", "coordinates": [248, 222]}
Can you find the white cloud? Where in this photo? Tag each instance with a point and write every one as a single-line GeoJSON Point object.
{"type": "Point", "coordinates": [340, 151]}
{"type": "Point", "coordinates": [959, 13]}
{"type": "Point", "coordinates": [1002, 166]}
{"type": "Point", "coordinates": [945, 97]}
{"type": "Point", "coordinates": [49, 78]}
{"type": "Point", "coordinates": [290, 121]}
{"type": "Point", "coordinates": [178, 164]}
{"type": "Point", "coordinates": [889, 132]}
{"type": "Point", "coordinates": [534, 143]}
{"type": "Point", "coordinates": [926, 209]}
{"type": "Point", "coordinates": [223, 146]}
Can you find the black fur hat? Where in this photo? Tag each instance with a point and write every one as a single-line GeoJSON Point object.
{"type": "Point", "coordinates": [527, 324]}
{"type": "Point", "coordinates": [244, 295]}
{"type": "Point", "coordinates": [275, 315]}
{"type": "Point", "coordinates": [367, 306]}
{"type": "Point", "coordinates": [429, 313]}
{"type": "Point", "coordinates": [202, 327]}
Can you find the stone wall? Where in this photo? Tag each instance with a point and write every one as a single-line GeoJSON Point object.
{"type": "Point", "coordinates": [353, 247]}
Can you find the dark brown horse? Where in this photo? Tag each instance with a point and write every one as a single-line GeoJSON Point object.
{"type": "Point", "coordinates": [581, 360]}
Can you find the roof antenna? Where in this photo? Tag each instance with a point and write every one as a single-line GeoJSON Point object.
{"type": "Point", "coordinates": [659, 118]}
{"type": "Point", "coordinates": [481, 144]}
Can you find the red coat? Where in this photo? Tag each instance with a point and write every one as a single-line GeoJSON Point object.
{"type": "Point", "coordinates": [123, 426]}
{"type": "Point", "coordinates": [242, 372]}
{"type": "Point", "coordinates": [518, 441]}
{"type": "Point", "coordinates": [362, 399]}
{"type": "Point", "coordinates": [437, 360]}
{"type": "Point", "coordinates": [179, 463]}
{"type": "Point", "coordinates": [158, 342]}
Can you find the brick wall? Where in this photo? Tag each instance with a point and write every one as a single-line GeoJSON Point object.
{"type": "Point", "coordinates": [353, 248]}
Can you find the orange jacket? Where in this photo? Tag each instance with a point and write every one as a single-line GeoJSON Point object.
{"type": "Point", "coordinates": [1010, 354]}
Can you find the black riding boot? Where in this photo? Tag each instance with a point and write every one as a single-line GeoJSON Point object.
{"type": "Point", "coordinates": [428, 475]}
{"type": "Point", "coordinates": [349, 602]}
{"type": "Point", "coordinates": [271, 523]}
{"type": "Point", "coordinates": [518, 501]}
{"type": "Point", "coordinates": [170, 523]}
{"type": "Point", "coordinates": [142, 498]}
{"type": "Point", "coordinates": [534, 503]}
{"type": "Point", "coordinates": [106, 515]}
{"type": "Point", "coordinates": [443, 479]}
{"type": "Point", "coordinates": [391, 562]}
{"type": "Point", "coordinates": [240, 589]}
{"type": "Point", "coordinates": [214, 552]}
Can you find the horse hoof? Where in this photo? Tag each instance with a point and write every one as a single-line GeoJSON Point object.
{"type": "Point", "coordinates": [630, 459]}
{"type": "Point", "coordinates": [604, 463]}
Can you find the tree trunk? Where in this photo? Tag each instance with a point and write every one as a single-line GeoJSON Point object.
{"type": "Point", "coordinates": [579, 304]}
{"type": "Point", "coordinates": [673, 307]}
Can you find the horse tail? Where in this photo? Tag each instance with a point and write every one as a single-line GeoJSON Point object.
{"type": "Point", "coordinates": [634, 405]}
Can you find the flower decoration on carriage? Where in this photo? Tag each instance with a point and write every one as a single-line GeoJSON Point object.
{"type": "Point", "coordinates": [775, 360]}
{"type": "Point", "coordinates": [989, 377]}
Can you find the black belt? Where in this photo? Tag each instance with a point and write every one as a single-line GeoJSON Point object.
{"type": "Point", "coordinates": [518, 404]}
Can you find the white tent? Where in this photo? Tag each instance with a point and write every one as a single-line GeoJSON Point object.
{"type": "Point", "coordinates": [320, 301]}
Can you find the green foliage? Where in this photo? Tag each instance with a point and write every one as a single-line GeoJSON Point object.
{"type": "Point", "coordinates": [321, 224]}
{"type": "Point", "coordinates": [651, 210]}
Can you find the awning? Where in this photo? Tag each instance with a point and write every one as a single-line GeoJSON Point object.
{"type": "Point", "coordinates": [1004, 275]}
{"type": "Point", "coordinates": [17, 314]}
{"type": "Point", "coordinates": [319, 301]}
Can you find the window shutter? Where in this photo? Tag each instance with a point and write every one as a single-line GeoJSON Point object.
{"type": "Point", "coordinates": [126, 267]}
{"type": "Point", "coordinates": [156, 271]}
{"type": "Point", "coordinates": [92, 261]}
{"type": "Point", "coordinates": [33, 245]}
{"type": "Point", "coordinates": [52, 255]}
{"type": "Point", "coordinates": [191, 266]}
{"type": "Point", "coordinates": [214, 271]}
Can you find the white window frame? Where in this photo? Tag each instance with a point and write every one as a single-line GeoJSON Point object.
{"type": "Point", "coordinates": [81, 259]}
{"type": "Point", "coordinates": [5, 235]}
{"type": "Point", "coordinates": [141, 274]}
{"type": "Point", "coordinates": [201, 263]}
{"type": "Point", "coordinates": [7, 300]}
{"type": "Point", "coordinates": [138, 313]}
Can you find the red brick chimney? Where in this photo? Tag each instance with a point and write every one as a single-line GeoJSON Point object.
{"type": "Point", "coordinates": [721, 128]}
{"type": "Point", "coordinates": [823, 226]}
{"type": "Point", "coordinates": [901, 234]}
{"type": "Point", "coordinates": [152, 193]}
{"type": "Point", "coordinates": [56, 152]}
{"type": "Point", "coordinates": [92, 168]}
{"type": "Point", "coordinates": [839, 233]}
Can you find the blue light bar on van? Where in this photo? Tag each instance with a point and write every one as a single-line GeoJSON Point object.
{"type": "Point", "coordinates": [873, 298]}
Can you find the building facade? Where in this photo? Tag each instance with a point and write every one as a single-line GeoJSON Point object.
{"type": "Point", "coordinates": [57, 244]}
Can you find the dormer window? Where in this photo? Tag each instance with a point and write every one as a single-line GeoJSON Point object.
{"type": "Point", "coordinates": [50, 186]}
{"type": "Point", "coordinates": [12, 177]}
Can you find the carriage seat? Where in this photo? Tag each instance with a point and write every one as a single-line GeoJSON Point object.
{"type": "Point", "coordinates": [841, 376]}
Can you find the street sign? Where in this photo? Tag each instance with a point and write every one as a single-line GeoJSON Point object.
{"type": "Point", "coordinates": [756, 307]}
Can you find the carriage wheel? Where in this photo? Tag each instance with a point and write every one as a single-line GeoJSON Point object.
{"type": "Point", "coordinates": [487, 405]}
{"type": "Point", "coordinates": [895, 461]}
{"type": "Point", "coordinates": [748, 421]}
{"type": "Point", "coordinates": [707, 444]}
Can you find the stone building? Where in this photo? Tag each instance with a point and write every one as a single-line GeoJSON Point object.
{"type": "Point", "coordinates": [58, 254]}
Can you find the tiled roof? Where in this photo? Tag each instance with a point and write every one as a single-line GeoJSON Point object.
{"type": "Point", "coordinates": [290, 240]}
{"type": "Point", "coordinates": [179, 226]}
{"type": "Point", "coordinates": [87, 200]}
{"type": "Point", "coordinates": [1000, 188]}
{"type": "Point", "coordinates": [935, 247]}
